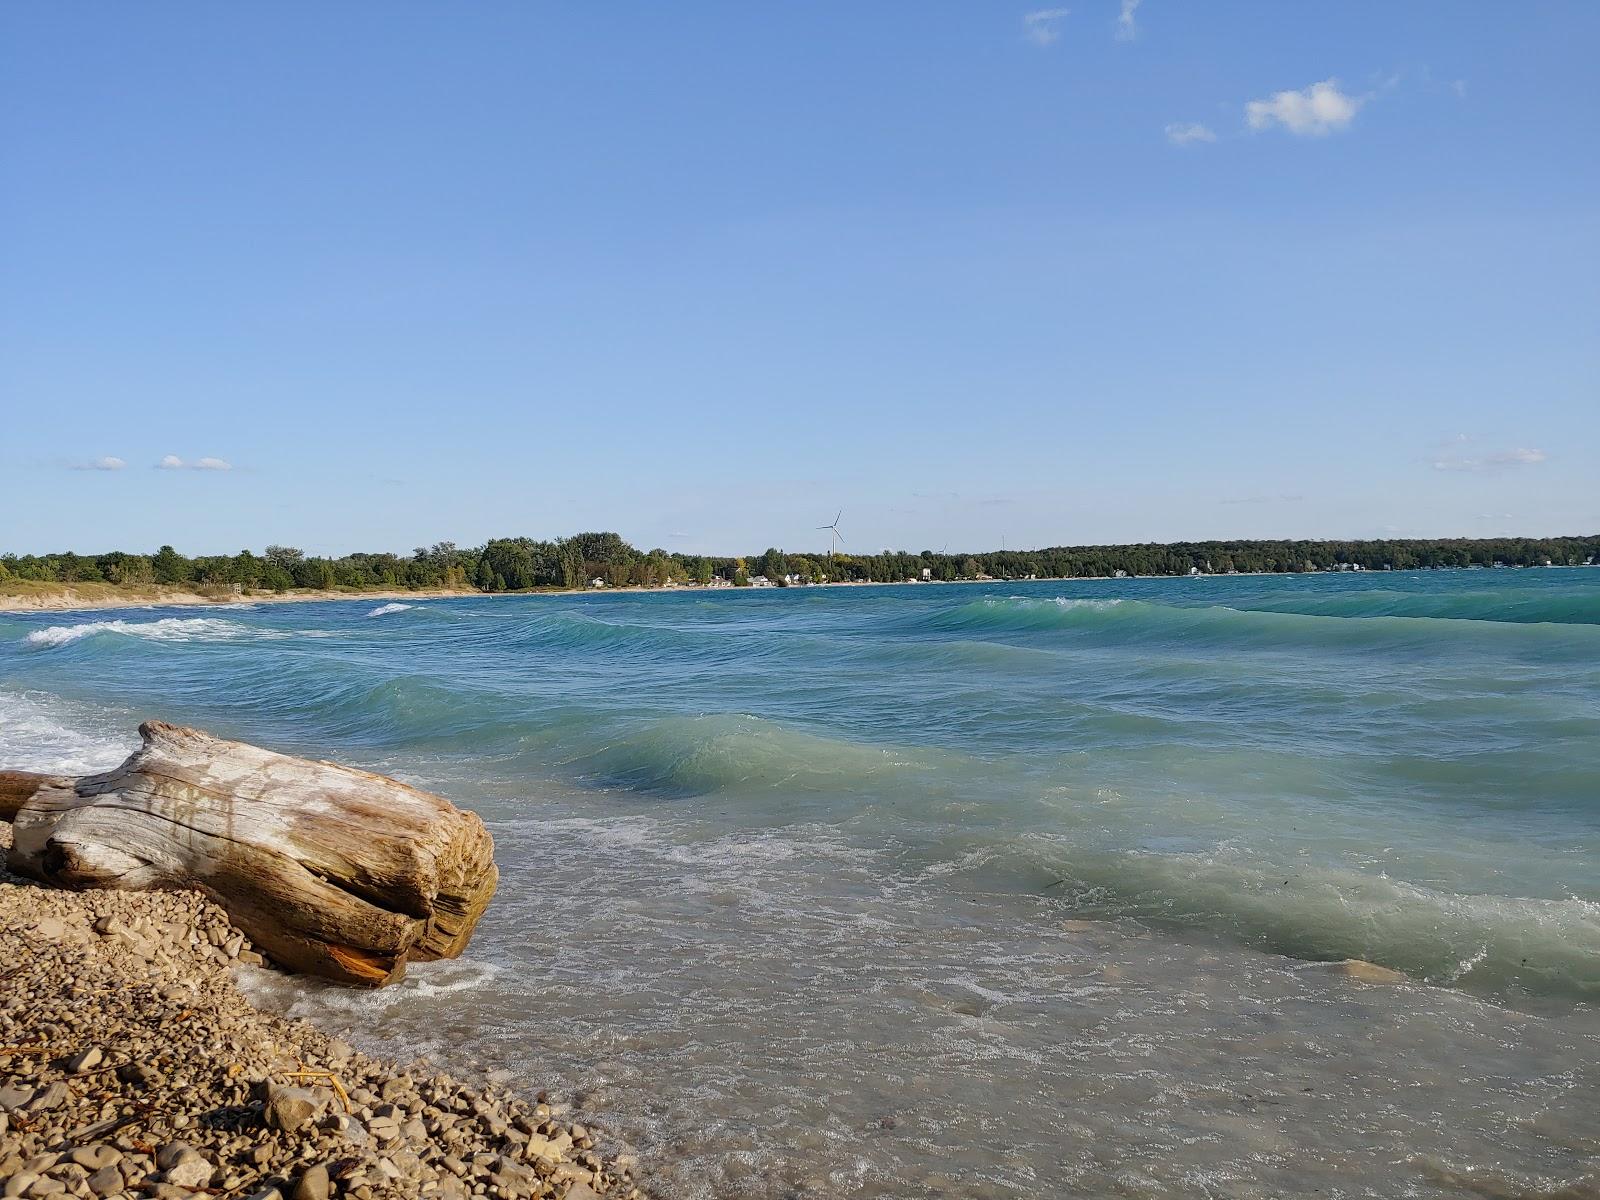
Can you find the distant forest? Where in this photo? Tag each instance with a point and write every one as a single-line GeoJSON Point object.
{"type": "Point", "coordinates": [520, 564]}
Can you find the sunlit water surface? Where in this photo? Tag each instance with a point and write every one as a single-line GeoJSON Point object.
{"type": "Point", "coordinates": [1001, 890]}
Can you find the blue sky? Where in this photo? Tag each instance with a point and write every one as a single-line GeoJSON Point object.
{"type": "Point", "coordinates": [706, 273]}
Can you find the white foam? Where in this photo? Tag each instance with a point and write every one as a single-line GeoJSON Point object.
{"type": "Point", "coordinates": [384, 610]}
{"type": "Point", "coordinates": [167, 629]}
{"type": "Point", "coordinates": [43, 733]}
{"type": "Point", "coordinates": [423, 983]}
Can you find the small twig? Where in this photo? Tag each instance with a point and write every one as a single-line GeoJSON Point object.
{"type": "Point", "coordinates": [101, 1127]}
{"type": "Point", "coordinates": [242, 1184]}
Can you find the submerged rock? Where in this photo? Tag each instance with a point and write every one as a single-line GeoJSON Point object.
{"type": "Point", "coordinates": [1365, 972]}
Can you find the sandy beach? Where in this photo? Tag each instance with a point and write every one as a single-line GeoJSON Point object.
{"type": "Point", "coordinates": [89, 597]}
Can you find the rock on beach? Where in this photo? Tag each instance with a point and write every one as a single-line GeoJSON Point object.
{"type": "Point", "coordinates": [132, 1067]}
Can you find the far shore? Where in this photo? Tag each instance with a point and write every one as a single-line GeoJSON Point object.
{"type": "Point", "coordinates": [89, 597]}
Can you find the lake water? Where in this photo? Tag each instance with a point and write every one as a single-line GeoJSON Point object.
{"type": "Point", "coordinates": [976, 890]}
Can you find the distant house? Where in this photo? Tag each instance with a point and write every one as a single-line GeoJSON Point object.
{"type": "Point", "coordinates": [760, 581]}
{"type": "Point", "coordinates": [1194, 570]}
{"type": "Point", "coordinates": [927, 574]}
{"type": "Point", "coordinates": [597, 582]}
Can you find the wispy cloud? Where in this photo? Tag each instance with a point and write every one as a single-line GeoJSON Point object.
{"type": "Point", "coordinates": [1311, 112]}
{"type": "Point", "coordinates": [109, 463]}
{"type": "Point", "coordinates": [1186, 133]}
{"type": "Point", "coordinates": [1263, 499]}
{"type": "Point", "coordinates": [1043, 26]}
{"type": "Point", "coordinates": [1459, 87]}
{"type": "Point", "coordinates": [173, 463]}
{"type": "Point", "coordinates": [1521, 456]}
{"type": "Point", "coordinates": [1127, 27]}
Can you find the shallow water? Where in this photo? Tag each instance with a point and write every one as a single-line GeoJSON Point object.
{"type": "Point", "coordinates": [796, 883]}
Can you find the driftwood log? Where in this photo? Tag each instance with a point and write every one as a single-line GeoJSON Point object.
{"type": "Point", "coordinates": [328, 870]}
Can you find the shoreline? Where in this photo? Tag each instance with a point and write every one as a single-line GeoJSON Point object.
{"type": "Point", "coordinates": [131, 1062]}
{"type": "Point", "coordinates": [66, 599]}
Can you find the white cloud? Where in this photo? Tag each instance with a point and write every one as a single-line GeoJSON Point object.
{"type": "Point", "coordinates": [1183, 133]}
{"type": "Point", "coordinates": [173, 463]}
{"type": "Point", "coordinates": [1042, 26]}
{"type": "Point", "coordinates": [109, 463]}
{"type": "Point", "coordinates": [1127, 29]}
{"type": "Point", "coordinates": [1521, 456]}
{"type": "Point", "coordinates": [1459, 87]}
{"type": "Point", "coordinates": [1312, 112]}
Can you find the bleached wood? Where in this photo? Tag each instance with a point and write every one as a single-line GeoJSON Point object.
{"type": "Point", "coordinates": [18, 787]}
{"type": "Point", "coordinates": [329, 870]}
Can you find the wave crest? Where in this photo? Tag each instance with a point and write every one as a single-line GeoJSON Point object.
{"type": "Point", "coordinates": [167, 629]}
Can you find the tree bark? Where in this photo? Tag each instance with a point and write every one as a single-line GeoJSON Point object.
{"type": "Point", "coordinates": [329, 870]}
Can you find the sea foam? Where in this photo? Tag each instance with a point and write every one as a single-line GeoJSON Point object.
{"type": "Point", "coordinates": [167, 629]}
{"type": "Point", "coordinates": [46, 733]}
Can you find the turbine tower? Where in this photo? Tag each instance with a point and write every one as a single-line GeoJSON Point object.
{"type": "Point", "coordinates": [838, 538]}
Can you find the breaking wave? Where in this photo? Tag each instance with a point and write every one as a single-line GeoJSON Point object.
{"type": "Point", "coordinates": [167, 629]}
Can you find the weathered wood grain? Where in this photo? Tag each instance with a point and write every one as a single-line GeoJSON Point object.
{"type": "Point", "coordinates": [331, 871]}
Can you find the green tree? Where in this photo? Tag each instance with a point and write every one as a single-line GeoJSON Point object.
{"type": "Point", "coordinates": [275, 577]}
{"type": "Point", "coordinates": [773, 564]}
{"type": "Point", "coordinates": [170, 566]}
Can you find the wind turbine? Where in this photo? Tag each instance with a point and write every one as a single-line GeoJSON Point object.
{"type": "Point", "coordinates": [838, 538]}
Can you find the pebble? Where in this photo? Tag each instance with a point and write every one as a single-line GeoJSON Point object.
{"type": "Point", "coordinates": [201, 1097]}
{"type": "Point", "coordinates": [92, 1158]}
{"type": "Point", "coordinates": [190, 1172]}
{"type": "Point", "coordinates": [86, 1060]}
{"type": "Point", "coordinates": [290, 1108]}
{"type": "Point", "coordinates": [314, 1184]}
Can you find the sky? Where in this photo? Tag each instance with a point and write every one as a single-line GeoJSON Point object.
{"type": "Point", "coordinates": [374, 275]}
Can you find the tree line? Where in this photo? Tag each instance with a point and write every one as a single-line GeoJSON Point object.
{"type": "Point", "coordinates": [525, 564]}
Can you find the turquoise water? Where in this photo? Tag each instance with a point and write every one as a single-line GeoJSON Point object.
{"type": "Point", "coordinates": [834, 804]}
